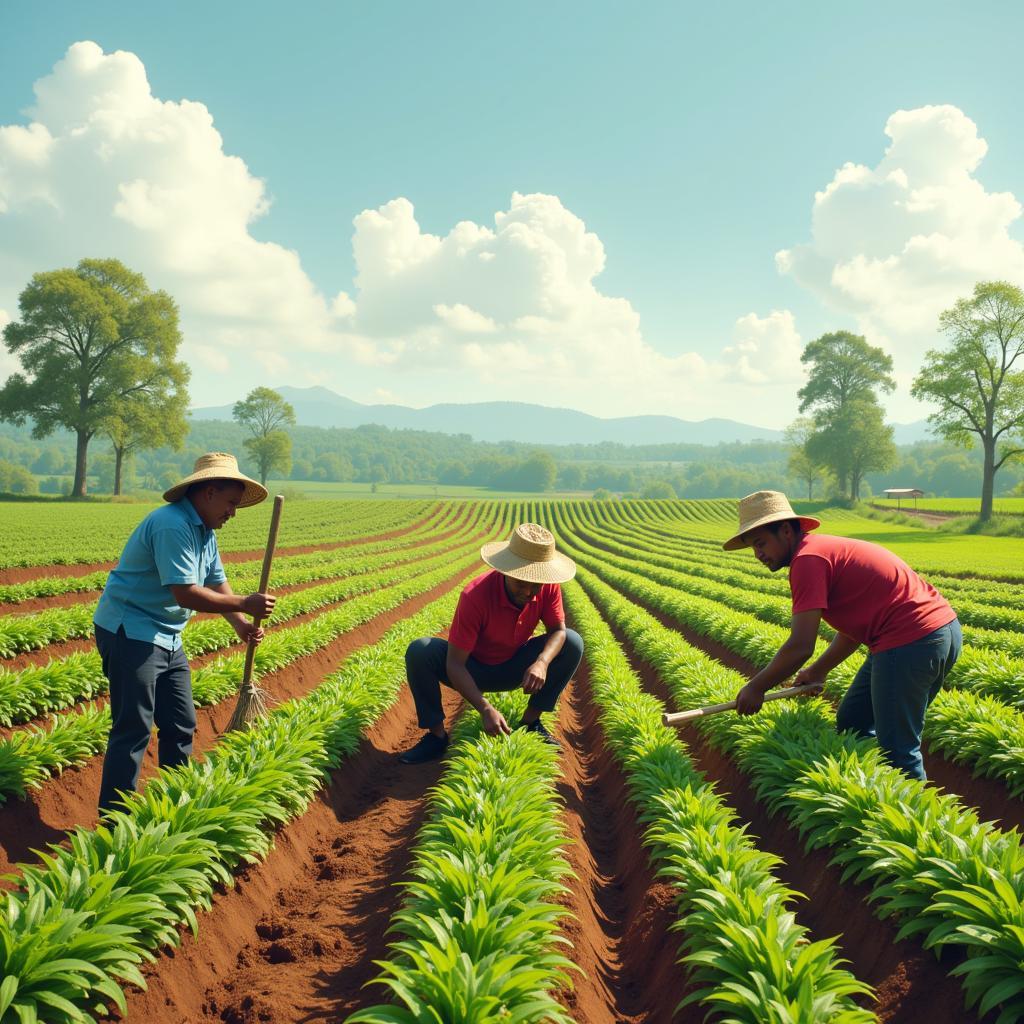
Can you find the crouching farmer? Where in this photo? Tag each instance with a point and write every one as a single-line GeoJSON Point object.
{"type": "Point", "coordinates": [491, 645]}
{"type": "Point", "coordinates": [169, 569]}
{"type": "Point", "coordinates": [870, 597]}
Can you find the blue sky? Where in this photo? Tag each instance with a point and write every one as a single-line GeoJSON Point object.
{"type": "Point", "coordinates": [690, 139]}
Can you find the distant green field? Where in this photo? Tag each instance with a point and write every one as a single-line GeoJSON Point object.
{"type": "Point", "coordinates": [955, 506]}
{"type": "Point", "coordinates": [317, 489]}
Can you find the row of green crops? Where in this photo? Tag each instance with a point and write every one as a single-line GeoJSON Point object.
{"type": "Point", "coordinates": [21, 633]}
{"type": "Point", "coordinates": [40, 533]}
{"type": "Point", "coordinates": [32, 691]}
{"type": "Point", "coordinates": [979, 731]}
{"type": "Point", "coordinates": [749, 959]}
{"type": "Point", "coordinates": [478, 928]}
{"type": "Point", "coordinates": [74, 934]}
{"type": "Point", "coordinates": [247, 573]}
{"type": "Point", "coordinates": [988, 672]}
{"type": "Point", "coordinates": [946, 877]}
{"type": "Point", "coordinates": [29, 756]}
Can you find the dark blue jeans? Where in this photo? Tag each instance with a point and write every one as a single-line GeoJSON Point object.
{"type": "Point", "coordinates": [891, 692]}
{"type": "Point", "coordinates": [148, 684]}
{"type": "Point", "coordinates": [425, 666]}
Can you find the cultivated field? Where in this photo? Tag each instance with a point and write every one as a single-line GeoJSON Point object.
{"type": "Point", "coordinates": [758, 869]}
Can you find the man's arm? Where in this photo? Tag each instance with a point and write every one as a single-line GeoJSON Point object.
{"type": "Point", "coordinates": [536, 675]}
{"type": "Point", "coordinates": [799, 646]}
{"type": "Point", "coordinates": [492, 719]}
{"type": "Point", "coordinates": [245, 628]}
{"type": "Point", "coordinates": [838, 651]}
{"type": "Point", "coordinates": [215, 599]}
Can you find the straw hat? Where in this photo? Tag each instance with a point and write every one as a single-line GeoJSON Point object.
{"type": "Point", "coordinates": [762, 508]}
{"type": "Point", "coordinates": [529, 555]}
{"type": "Point", "coordinates": [218, 466]}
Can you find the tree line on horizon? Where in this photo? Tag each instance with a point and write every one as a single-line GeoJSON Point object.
{"type": "Point", "coordinates": [99, 357]}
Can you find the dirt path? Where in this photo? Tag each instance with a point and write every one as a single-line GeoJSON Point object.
{"type": "Point", "coordinates": [69, 800]}
{"type": "Point", "coordinates": [621, 932]}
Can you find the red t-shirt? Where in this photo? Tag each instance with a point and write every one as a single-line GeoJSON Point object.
{"type": "Point", "coordinates": [865, 591]}
{"type": "Point", "coordinates": [491, 627]}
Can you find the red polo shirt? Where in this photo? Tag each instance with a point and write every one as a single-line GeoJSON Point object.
{"type": "Point", "coordinates": [865, 591]}
{"type": "Point", "coordinates": [491, 627]}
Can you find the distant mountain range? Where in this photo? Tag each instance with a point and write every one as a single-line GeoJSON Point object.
{"type": "Point", "coordinates": [521, 421]}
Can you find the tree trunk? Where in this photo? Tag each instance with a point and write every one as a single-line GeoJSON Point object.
{"type": "Point", "coordinates": [81, 448]}
{"type": "Point", "coordinates": [118, 461]}
{"type": "Point", "coordinates": [988, 479]}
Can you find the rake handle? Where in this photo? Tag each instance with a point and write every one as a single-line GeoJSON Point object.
{"type": "Point", "coordinates": [268, 557]}
{"type": "Point", "coordinates": [713, 709]}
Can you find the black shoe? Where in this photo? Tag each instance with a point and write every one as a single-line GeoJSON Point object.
{"type": "Point", "coordinates": [537, 727]}
{"type": "Point", "coordinates": [429, 748]}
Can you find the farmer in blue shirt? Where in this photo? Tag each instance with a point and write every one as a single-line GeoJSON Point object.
{"type": "Point", "coordinates": [169, 569]}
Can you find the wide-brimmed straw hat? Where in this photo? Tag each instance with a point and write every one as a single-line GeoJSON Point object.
{"type": "Point", "coordinates": [762, 508]}
{"type": "Point", "coordinates": [218, 466]}
{"type": "Point", "coordinates": [529, 555]}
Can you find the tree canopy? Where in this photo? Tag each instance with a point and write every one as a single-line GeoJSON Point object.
{"type": "Point", "coordinates": [90, 340]}
{"type": "Point", "coordinates": [264, 412]}
{"type": "Point", "coordinates": [978, 379]}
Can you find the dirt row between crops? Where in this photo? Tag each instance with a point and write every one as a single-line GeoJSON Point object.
{"type": "Point", "coordinates": [24, 573]}
{"type": "Point", "coordinates": [68, 800]}
{"type": "Point", "coordinates": [317, 909]}
{"type": "Point", "coordinates": [910, 984]}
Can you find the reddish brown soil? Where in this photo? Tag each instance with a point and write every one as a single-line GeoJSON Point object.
{"type": "Point", "coordinates": [911, 985]}
{"type": "Point", "coordinates": [622, 913]}
{"type": "Point", "coordinates": [297, 936]}
{"type": "Point", "coordinates": [24, 573]}
{"type": "Point", "coordinates": [46, 814]}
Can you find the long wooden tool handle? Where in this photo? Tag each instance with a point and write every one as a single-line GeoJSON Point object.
{"type": "Point", "coordinates": [268, 557]}
{"type": "Point", "coordinates": [713, 709]}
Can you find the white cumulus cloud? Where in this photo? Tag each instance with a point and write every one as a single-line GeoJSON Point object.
{"type": "Point", "coordinates": [895, 244]}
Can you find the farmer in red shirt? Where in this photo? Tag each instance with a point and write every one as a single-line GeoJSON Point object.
{"type": "Point", "coordinates": [491, 645]}
{"type": "Point", "coordinates": [870, 597]}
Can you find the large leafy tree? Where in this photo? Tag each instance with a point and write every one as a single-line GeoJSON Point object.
{"type": "Point", "coordinates": [264, 412]}
{"type": "Point", "coordinates": [977, 381]}
{"type": "Point", "coordinates": [90, 339]}
{"type": "Point", "coordinates": [845, 374]}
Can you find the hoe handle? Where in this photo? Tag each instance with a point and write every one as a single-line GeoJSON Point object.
{"type": "Point", "coordinates": [268, 557]}
{"type": "Point", "coordinates": [713, 709]}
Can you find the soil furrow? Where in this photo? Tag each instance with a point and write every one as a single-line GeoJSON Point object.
{"type": "Point", "coordinates": [296, 938]}
{"type": "Point", "coordinates": [70, 799]}
{"type": "Point", "coordinates": [622, 913]}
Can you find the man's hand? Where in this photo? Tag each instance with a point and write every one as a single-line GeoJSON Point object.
{"type": "Point", "coordinates": [535, 677]}
{"type": "Point", "coordinates": [247, 631]}
{"type": "Point", "coordinates": [259, 605]}
{"type": "Point", "coordinates": [809, 677]}
{"type": "Point", "coordinates": [493, 721]}
{"type": "Point", "coordinates": [749, 700]}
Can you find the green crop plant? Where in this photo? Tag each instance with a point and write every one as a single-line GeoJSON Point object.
{"type": "Point", "coordinates": [479, 923]}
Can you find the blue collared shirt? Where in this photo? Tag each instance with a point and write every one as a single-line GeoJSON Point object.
{"type": "Point", "coordinates": [171, 546]}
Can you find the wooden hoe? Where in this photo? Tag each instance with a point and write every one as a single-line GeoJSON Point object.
{"type": "Point", "coordinates": [252, 700]}
{"type": "Point", "coordinates": [676, 718]}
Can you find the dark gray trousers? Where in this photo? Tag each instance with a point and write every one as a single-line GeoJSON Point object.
{"type": "Point", "coordinates": [425, 666]}
{"type": "Point", "coordinates": [148, 684]}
